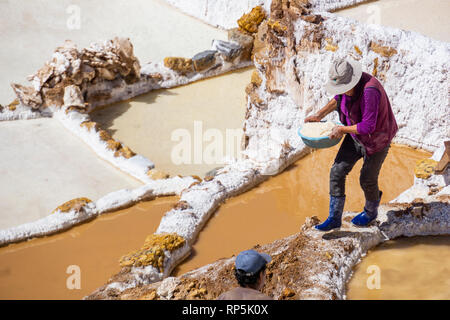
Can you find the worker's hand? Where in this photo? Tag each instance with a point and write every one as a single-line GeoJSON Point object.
{"type": "Point", "coordinates": [336, 133]}
{"type": "Point", "coordinates": [312, 118]}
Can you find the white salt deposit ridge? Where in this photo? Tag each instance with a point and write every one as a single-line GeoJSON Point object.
{"type": "Point", "coordinates": [225, 13]}
{"type": "Point", "coordinates": [317, 129]}
{"type": "Point", "coordinates": [113, 201]}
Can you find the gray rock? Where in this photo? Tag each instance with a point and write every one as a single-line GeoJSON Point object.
{"type": "Point", "coordinates": [244, 39]}
{"type": "Point", "coordinates": [204, 60]}
{"type": "Point", "coordinates": [229, 50]}
{"type": "Point", "coordinates": [213, 172]}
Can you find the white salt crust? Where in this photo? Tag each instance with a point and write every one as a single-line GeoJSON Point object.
{"type": "Point", "coordinates": [225, 13]}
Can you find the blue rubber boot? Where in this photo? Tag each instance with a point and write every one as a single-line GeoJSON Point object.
{"type": "Point", "coordinates": [334, 219]}
{"type": "Point", "coordinates": [369, 213]}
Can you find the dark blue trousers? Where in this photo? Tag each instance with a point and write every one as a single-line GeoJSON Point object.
{"type": "Point", "coordinates": [349, 153]}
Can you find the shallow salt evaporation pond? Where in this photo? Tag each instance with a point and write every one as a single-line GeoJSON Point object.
{"type": "Point", "coordinates": [405, 268]}
{"type": "Point", "coordinates": [42, 165]}
{"type": "Point", "coordinates": [429, 17]}
{"type": "Point", "coordinates": [149, 123]}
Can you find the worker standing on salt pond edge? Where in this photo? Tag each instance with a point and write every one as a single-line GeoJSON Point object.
{"type": "Point", "coordinates": [369, 122]}
{"type": "Point", "coordinates": [250, 272]}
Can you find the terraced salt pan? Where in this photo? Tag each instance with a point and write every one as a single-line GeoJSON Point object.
{"type": "Point", "coordinates": [36, 269]}
{"type": "Point", "coordinates": [43, 165]}
{"type": "Point", "coordinates": [409, 268]}
{"type": "Point", "coordinates": [31, 30]}
{"type": "Point", "coordinates": [419, 127]}
{"type": "Point", "coordinates": [148, 122]}
{"type": "Point", "coordinates": [429, 17]}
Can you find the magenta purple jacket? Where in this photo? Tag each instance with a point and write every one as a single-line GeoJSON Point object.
{"type": "Point", "coordinates": [369, 108]}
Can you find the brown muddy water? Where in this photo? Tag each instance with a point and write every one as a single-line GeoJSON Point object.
{"type": "Point", "coordinates": [404, 268]}
{"type": "Point", "coordinates": [37, 269]}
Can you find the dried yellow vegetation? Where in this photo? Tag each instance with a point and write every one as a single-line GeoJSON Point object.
{"type": "Point", "coordinates": [152, 252]}
{"type": "Point", "coordinates": [13, 105]}
{"type": "Point", "coordinates": [250, 21]}
{"type": "Point", "coordinates": [276, 25]}
{"type": "Point", "coordinates": [125, 152]}
{"type": "Point", "coordinates": [375, 67]}
{"type": "Point", "coordinates": [74, 204]}
{"type": "Point", "coordinates": [330, 46]}
{"type": "Point", "coordinates": [113, 145]}
{"type": "Point", "coordinates": [178, 64]}
{"type": "Point", "coordinates": [358, 50]}
{"type": "Point", "coordinates": [256, 79]}
{"type": "Point", "coordinates": [382, 50]}
{"type": "Point", "coordinates": [89, 125]}
{"type": "Point", "coordinates": [156, 174]}
{"type": "Point", "coordinates": [104, 135]}
{"type": "Point", "coordinates": [425, 168]}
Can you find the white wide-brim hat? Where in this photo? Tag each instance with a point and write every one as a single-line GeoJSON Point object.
{"type": "Point", "coordinates": [343, 75]}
